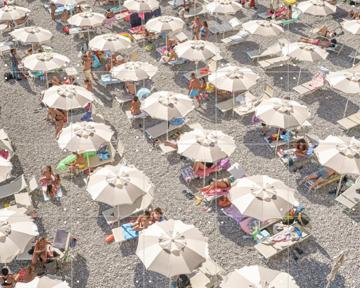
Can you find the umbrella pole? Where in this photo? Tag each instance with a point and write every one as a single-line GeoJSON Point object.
{"type": "Point", "coordinates": [277, 141]}
{"type": "Point", "coordinates": [339, 186]}
{"type": "Point", "coordinates": [346, 105]}
{"type": "Point", "coordinates": [233, 104]}
{"type": "Point", "coordinates": [299, 77]}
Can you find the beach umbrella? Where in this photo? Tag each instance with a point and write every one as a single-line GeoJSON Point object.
{"type": "Point", "coordinates": [172, 248]}
{"type": "Point", "coordinates": [45, 61]}
{"type": "Point", "coordinates": [233, 78]}
{"type": "Point", "coordinates": [196, 50]}
{"type": "Point", "coordinates": [109, 42]}
{"type": "Point", "coordinates": [87, 19]}
{"type": "Point", "coordinates": [67, 97]}
{"type": "Point", "coordinates": [257, 276]}
{"type": "Point", "coordinates": [206, 145]}
{"type": "Point", "coordinates": [305, 52]}
{"type": "Point", "coordinates": [17, 230]}
{"type": "Point", "coordinates": [317, 7]}
{"type": "Point", "coordinates": [345, 81]}
{"type": "Point", "coordinates": [119, 185]}
{"type": "Point", "coordinates": [263, 28]}
{"type": "Point", "coordinates": [141, 5]}
{"type": "Point", "coordinates": [223, 7]}
{"type": "Point", "coordinates": [165, 24]}
{"type": "Point", "coordinates": [32, 35]}
{"type": "Point", "coordinates": [84, 136]}
{"type": "Point", "coordinates": [262, 197]}
{"type": "Point", "coordinates": [166, 105]}
{"type": "Point", "coordinates": [352, 26]}
{"type": "Point", "coordinates": [69, 2]}
{"type": "Point", "coordinates": [282, 113]}
{"type": "Point", "coordinates": [134, 71]}
{"type": "Point", "coordinates": [13, 13]}
{"type": "Point", "coordinates": [5, 169]}
{"type": "Point", "coordinates": [43, 282]}
{"type": "Point", "coordinates": [340, 153]}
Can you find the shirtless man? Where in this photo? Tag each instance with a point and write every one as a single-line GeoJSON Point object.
{"type": "Point", "coordinates": [87, 66]}
{"type": "Point", "coordinates": [194, 86]}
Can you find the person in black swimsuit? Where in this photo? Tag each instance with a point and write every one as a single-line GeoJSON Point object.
{"type": "Point", "coordinates": [7, 280]}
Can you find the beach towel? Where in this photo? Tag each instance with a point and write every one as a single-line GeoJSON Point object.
{"type": "Point", "coordinates": [95, 62]}
{"type": "Point", "coordinates": [177, 121]}
{"type": "Point", "coordinates": [129, 232]}
{"type": "Point", "coordinates": [63, 164]}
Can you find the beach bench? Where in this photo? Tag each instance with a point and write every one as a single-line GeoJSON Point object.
{"type": "Point", "coordinates": [161, 129]}
{"type": "Point", "coordinates": [16, 186]}
{"type": "Point", "coordinates": [311, 86]}
{"type": "Point", "coordinates": [350, 122]}
{"type": "Point", "coordinates": [278, 243]}
{"type": "Point", "coordinates": [106, 80]}
{"type": "Point", "coordinates": [239, 37]}
{"type": "Point", "coordinates": [350, 198]}
{"type": "Point", "coordinates": [274, 62]}
{"type": "Point", "coordinates": [233, 102]}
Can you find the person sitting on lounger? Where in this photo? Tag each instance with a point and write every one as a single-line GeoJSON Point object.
{"type": "Point", "coordinates": [198, 166]}
{"type": "Point", "coordinates": [319, 177]}
{"type": "Point", "coordinates": [169, 56]}
{"type": "Point", "coordinates": [325, 32]}
{"type": "Point", "coordinates": [354, 15]}
{"type": "Point", "coordinates": [78, 164]}
{"type": "Point", "coordinates": [173, 142]}
{"type": "Point", "coordinates": [318, 42]}
{"type": "Point", "coordinates": [135, 106]}
{"type": "Point", "coordinates": [224, 183]}
{"type": "Point", "coordinates": [142, 222]}
{"type": "Point", "coordinates": [41, 252]}
{"type": "Point", "coordinates": [157, 215]}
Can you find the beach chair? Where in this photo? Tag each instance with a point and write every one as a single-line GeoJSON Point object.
{"type": "Point", "coordinates": [330, 181]}
{"type": "Point", "coordinates": [16, 186]}
{"type": "Point", "coordinates": [61, 240]}
{"type": "Point", "coordinates": [274, 62]}
{"type": "Point", "coordinates": [209, 275]}
{"type": "Point", "coordinates": [311, 86]}
{"type": "Point", "coordinates": [239, 37]}
{"type": "Point", "coordinates": [350, 198]}
{"type": "Point", "coordinates": [106, 80]}
{"type": "Point", "coordinates": [233, 102]}
{"type": "Point", "coordinates": [197, 11]}
{"type": "Point", "coordinates": [123, 99]}
{"type": "Point", "coordinates": [224, 26]}
{"type": "Point", "coordinates": [161, 129]}
{"type": "Point", "coordinates": [279, 242]}
{"type": "Point", "coordinates": [124, 233]}
{"type": "Point", "coordinates": [350, 121]}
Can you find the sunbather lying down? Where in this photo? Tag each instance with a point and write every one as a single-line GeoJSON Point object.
{"type": "Point", "coordinates": [354, 14]}
{"type": "Point", "coordinates": [325, 32]}
{"type": "Point", "coordinates": [322, 43]}
{"type": "Point", "coordinates": [319, 177]}
{"type": "Point", "coordinates": [224, 183]}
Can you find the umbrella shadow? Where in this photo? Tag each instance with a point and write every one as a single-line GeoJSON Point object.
{"type": "Point", "coordinates": [128, 247]}
{"type": "Point", "coordinates": [243, 58]}
{"type": "Point", "coordinates": [100, 220]}
{"type": "Point", "coordinates": [331, 105]}
{"type": "Point", "coordinates": [148, 279]}
{"type": "Point", "coordinates": [345, 61]}
{"type": "Point", "coordinates": [79, 272]}
{"type": "Point", "coordinates": [256, 144]}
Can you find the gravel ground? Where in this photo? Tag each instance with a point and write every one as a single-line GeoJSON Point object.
{"type": "Point", "coordinates": [97, 264]}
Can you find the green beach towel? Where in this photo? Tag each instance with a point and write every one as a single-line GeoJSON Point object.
{"type": "Point", "coordinates": [63, 164]}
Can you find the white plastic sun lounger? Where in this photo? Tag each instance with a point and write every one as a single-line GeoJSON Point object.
{"type": "Point", "coordinates": [13, 187]}
{"type": "Point", "coordinates": [309, 87]}
{"type": "Point", "coordinates": [161, 129]}
{"type": "Point", "coordinates": [274, 62]}
{"type": "Point", "coordinates": [236, 39]}
{"type": "Point", "coordinates": [350, 197]}
{"type": "Point", "coordinates": [350, 122]}
{"type": "Point", "coordinates": [234, 102]}
{"type": "Point", "coordinates": [224, 26]}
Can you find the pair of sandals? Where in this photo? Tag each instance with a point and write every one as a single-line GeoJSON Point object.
{"type": "Point", "coordinates": [191, 196]}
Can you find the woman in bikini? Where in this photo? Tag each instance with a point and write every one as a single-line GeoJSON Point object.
{"type": "Point", "coordinates": [41, 251]}
{"type": "Point", "coordinates": [79, 163]}
{"type": "Point", "coordinates": [201, 166]}
{"type": "Point", "coordinates": [142, 222]}
{"type": "Point", "coordinates": [47, 179]}
{"type": "Point", "coordinates": [224, 183]}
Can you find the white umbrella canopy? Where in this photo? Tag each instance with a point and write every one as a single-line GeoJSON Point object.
{"type": "Point", "coordinates": [344, 81]}
{"type": "Point", "coordinates": [119, 185]}
{"type": "Point", "coordinates": [43, 282]}
{"type": "Point", "coordinates": [282, 113]}
{"type": "Point", "coordinates": [17, 230]}
{"type": "Point", "coordinates": [262, 197]}
{"type": "Point", "coordinates": [263, 28]}
{"type": "Point", "coordinates": [109, 42]}
{"type": "Point", "coordinates": [342, 154]}
{"type": "Point", "coordinates": [206, 145]}
{"type": "Point", "coordinates": [233, 78]}
{"type": "Point", "coordinates": [317, 7]}
{"type": "Point", "coordinates": [84, 136]}
{"type": "Point", "coordinates": [141, 5]}
{"type": "Point", "coordinates": [165, 24]}
{"type": "Point", "coordinates": [260, 277]}
{"type": "Point", "coordinates": [69, 2]}
{"type": "Point", "coordinates": [166, 105]}
{"type": "Point", "coordinates": [351, 26]}
{"type": "Point", "coordinates": [32, 35]}
{"type": "Point", "coordinates": [223, 7]}
{"type": "Point", "coordinates": [86, 19]}
{"type": "Point", "coordinates": [5, 169]}
{"type": "Point", "coordinates": [67, 97]}
{"type": "Point", "coordinates": [196, 50]}
{"type": "Point", "coordinates": [172, 248]}
{"type": "Point", "coordinates": [134, 71]}
{"type": "Point", "coordinates": [13, 13]}
{"type": "Point", "coordinates": [45, 61]}
{"type": "Point", "coordinates": [304, 52]}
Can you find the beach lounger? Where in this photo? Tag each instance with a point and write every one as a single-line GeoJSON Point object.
{"type": "Point", "coordinates": [336, 49]}
{"type": "Point", "coordinates": [274, 62]}
{"type": "Point", "coordinates": [350, 198]}
{"type": "Point", "coordinates": [330, 181]}
{"type": "Point", "coordinates": [23, 200]}
{"type": "Point", "coordinates": [161, 129]}
{"type": "Point", "coordinates": [16, 186]}
{"type": "Point", "coordinates": [311, 86]}
{"type": "Point", "coordinates": [233, 102]}
{"type": "Point", "coordinates": [224, 26]}
{"type": "Point", "coordinates": [61, 240]}
{"type": "Point", "coordinates": [237, 171]}
{"type": "Point", "coordinates": [5, 142]}
{"type": "Point", "coordinates": [209, 275]}
{"type": "Point", "coordinates": [107, 80]}
{"type": "Point", "coordinates": [239, 37]}
{"type": "Point", "coordinates": [350, 122]}
{"type": "Point", "coordinates": [197, 11]}
{"type": "Point", "coordinates": [124, 98]}
{"type": "Point", "coordinates": [124, 233]}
